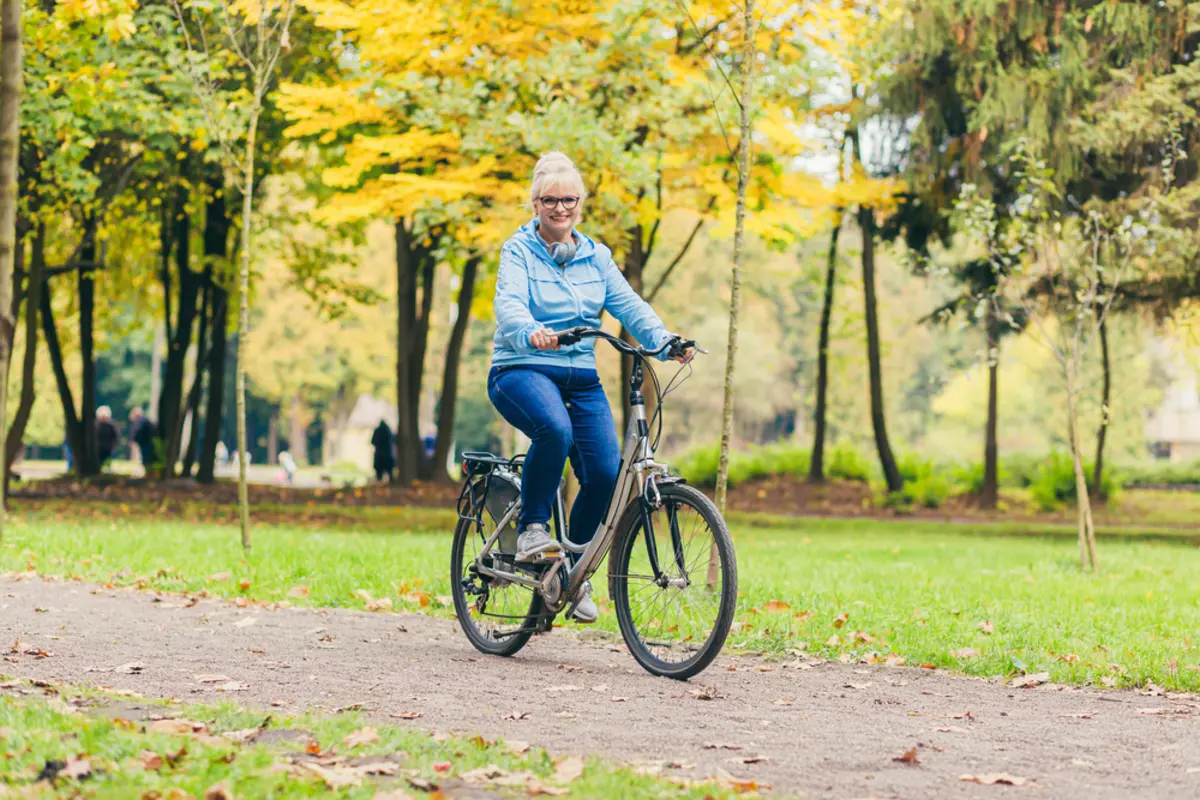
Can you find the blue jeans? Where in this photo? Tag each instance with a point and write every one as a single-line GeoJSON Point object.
{"type": "Point", "coordinates": [564, 413]}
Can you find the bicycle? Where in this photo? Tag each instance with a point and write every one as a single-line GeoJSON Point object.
{"type": "Point", "coordinates": [500, 603]}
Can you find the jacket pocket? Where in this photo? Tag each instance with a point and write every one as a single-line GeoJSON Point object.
{"type": "Point", "coordinates": [551, 300]}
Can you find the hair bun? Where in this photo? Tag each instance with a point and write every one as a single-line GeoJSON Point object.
{"type": "Point", "coordinates": [551, 162]}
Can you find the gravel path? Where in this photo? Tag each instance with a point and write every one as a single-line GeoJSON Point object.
{"type": "Point", "coordinates": [829, 730]}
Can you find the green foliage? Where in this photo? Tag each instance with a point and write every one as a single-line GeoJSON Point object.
{"type": "Point", "coordinates": [699, 465]}
{"type": "Point", "coordinates": [847, 463]}
{"type": "Point", "coordinates": [1054, 484]}
{"type": "Point", "coordinates": [1161, 473]}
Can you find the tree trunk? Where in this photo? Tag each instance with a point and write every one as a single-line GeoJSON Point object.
{"type": "Point", "coordinates": [244, 319]}
{"type": "Point", "coordinates": [989, 496]}
{"type": "Point", "coordinates": [70, 418]}
{"type": "Point", "coordinates": [273, 439]}
{"type": "Point", "coordinates": [445, 421]}
{"type": "Point", "coordinates": [171, 403]}
{"type": "Point", "coordinates": [1102, 433]}
{"type": "Point", "coordinates": [33, 301]}
{"type": "Point", "coordinates": [192, 405]}
{"type": "Point", "coordinates": [413, 262]}
{"type": "Point", "coordinates": [10, 144]}
{"type": "Point", "coordinates": [1086, 528]}
{"type": "Point", "coordinates": [216, 246]}
{"type": "Point", "coordinates": [88, 458]}
{"type": "Point", "coordinates": [891, 474]}
{"type": "Point", "coordinates": [816, 468]}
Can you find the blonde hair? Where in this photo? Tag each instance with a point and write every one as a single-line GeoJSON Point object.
{"type": "Point", "coordinates": [555, 168]}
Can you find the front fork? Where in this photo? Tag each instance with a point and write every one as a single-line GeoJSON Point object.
{"type": "Point", "coordinates": [651, 500]}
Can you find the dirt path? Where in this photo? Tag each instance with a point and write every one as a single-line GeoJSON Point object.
{"type": "Point", "coordinates": [836, 738]}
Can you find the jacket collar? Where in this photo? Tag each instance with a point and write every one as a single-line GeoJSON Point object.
{"type": "Point", "coordinates": [528, 235]}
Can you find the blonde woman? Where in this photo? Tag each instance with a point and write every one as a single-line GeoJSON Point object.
{"type": "Point", "coordinates": [554, 277]}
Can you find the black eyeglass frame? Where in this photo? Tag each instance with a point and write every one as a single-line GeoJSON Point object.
{"type": "Point", "coordinates": [567, 203]}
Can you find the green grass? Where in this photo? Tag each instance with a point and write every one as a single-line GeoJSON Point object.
{"type": "Point", "coordinates": [64, 724]}
{"type": "Point", "coordinates": [917, 590]}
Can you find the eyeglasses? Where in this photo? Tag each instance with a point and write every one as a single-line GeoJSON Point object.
{"type": "Point", "coordinates": [568, 203]}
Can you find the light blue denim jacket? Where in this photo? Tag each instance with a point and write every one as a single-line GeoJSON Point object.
{"type": "Point", "coordinates": [533, 292]}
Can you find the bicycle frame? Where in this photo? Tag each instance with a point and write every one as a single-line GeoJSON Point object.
{"type": "Point", "coordinates": [638, 470]}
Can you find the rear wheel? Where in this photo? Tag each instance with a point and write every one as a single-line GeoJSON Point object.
{"type": "Point", "coordinates": [497, 617]}
{"type": "Point", "coordinates": [676, 623]}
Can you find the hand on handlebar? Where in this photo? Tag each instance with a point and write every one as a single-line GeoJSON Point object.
{"type": "Point", "coordinates": [544, 340]}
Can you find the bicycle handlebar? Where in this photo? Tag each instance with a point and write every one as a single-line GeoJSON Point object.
{"type": "Point", "coordinates": [676, 345]}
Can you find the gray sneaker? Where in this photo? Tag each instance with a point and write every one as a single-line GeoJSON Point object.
{"type": "Point", "coordinates": [535, 543]}
{"type": "Point", "coordinates": [586, 612]}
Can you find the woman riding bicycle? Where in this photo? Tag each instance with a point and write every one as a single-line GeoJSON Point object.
{"type": "Point", "coordinates": [554, 277]}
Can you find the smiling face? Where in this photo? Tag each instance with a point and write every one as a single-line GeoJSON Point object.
{"type": "Point", "coordinates": [559, 208]}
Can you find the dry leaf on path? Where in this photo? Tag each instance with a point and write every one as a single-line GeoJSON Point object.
{"type": "Point", "coordinates": [782, 702]}
{"type": "Point", "coordinates": [207, 678]}
{"type": "Point", "coordinates": [132, 668]}
{"type": "Point", "coordinates": [1079, 715]}
{"type": "Point", "coordinates": [866, 685]}
{"type": "Point", "coordinates": [617, 699]}
{"type": "Point", "coordinates": [1029, 681]}
{"type": "Point", "coordinates": [728, 781]}
{"type": "Point", "coordinates": [950, 729]}
{"type": "Point", "coordinates": [361, 737]}
{"type": "Point", "coordinates": [908, 757]}
{"type": "Point", "coordinates": [408, 714]}
{"type": "Point", "coordinates": [177, 727]}
{"type": "Point", "coordinates": [719, 746]}
{"type": "Point", "coordinates": [707, 693]}
{"type": "Point", "coordinates": [964, 652]}
{"type": "Point", "coordinates": [233, 686]}
{"type": "Point", "coordinates": [516, 715]}
{"type": "Point", "coordinates": [993, 778]}
{"type": "Point", "coordinates": [568, 770]}
{"type": "Point", "coordinates": [760, 759]}
{"type": "Point", "coordinates": [243, 735]}
{"type": "Point", "coordinates": [242, 623]}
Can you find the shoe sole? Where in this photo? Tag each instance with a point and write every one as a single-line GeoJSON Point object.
{"type": "Point", "coordinates": [539, 557]}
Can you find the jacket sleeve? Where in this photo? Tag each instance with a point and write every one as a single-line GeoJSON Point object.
{"type": "Point", "coordinates": [513, 317]}
{"type": "Point", "coordinates": [633, 312]}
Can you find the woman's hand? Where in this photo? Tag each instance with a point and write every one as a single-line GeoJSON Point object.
{"type": "Point", "coordinates": [685, 356]}
{"type": "Point", "coordinates": [543, 340]}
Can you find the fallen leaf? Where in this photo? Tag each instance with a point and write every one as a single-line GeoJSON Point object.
{"type": "Point", "coordinates": [220, 576]}
{"type": "Point", "coordinates": [177, 727]}
{"type": "Point", "coordinates": [951, 729]}
{"type": "Point", "coordinates": [244, 584]}
{"type": "Point", "coordinates": [408, 714]}
{"type": "Point", "coordinates": [242, 623]}
{"type": "Point", "coordinates": [894, 661]}
{"type": "Point", "coordinates": [833, 641]}
{"type": "Point", "coordinates": [132, 668]}
{"type": "Point", "coordinates": [739, 784]}
{"type": "Point", "coordinates": [516, 715]}
{"type": "Point", "coordinates": [151, 761]}
{"type": "Point", "coordinates": [298, 591]}
{"type": "Point", "coordinates": [782, 702]}
{"type": "Point", "coordinates": [1029, 681]}
{"type": "Point", "coordinates": [210, 678]}
{"type": "Point", "coordinates": [361, 737]}
{"type": "Point", "coordinates": [243, 735]}
{"type": "Point", "coordinates": [1078, 715]}
{"type": "Point", "coordinates": [967, 715]}
{"type": "Point", "coordinates": [751, 760]}
{"type": "Point", "coordinates": [858, 685]}
{"type": "Point", "coordinates": [219, 791]}
{"type": "Point", "coordinates": [707, 693]}
{"type": "Point", "coordinates": [335, 777]}
{"type": "Point", "coordinates": [233, 686]}
{"type": "Point", "coordinates": [776, 605]}
{"type": "Point", "coordinates": [908, 757]}
{"type": "Point", "coordinates": [840, 619]}
{"type": "Point", "coordinates": [964, 652]}
{"type": "Point", "coordinates": [719, 746]}
{"type": "Point", "coordinates": [617, 699]}
{"type": "Point", "coordinates": [77, 768]}
{"type": "Point", "coordinates": [994, 778]}
{"type": "Point", "coordinates": [241, 602]}
{"type": "Point", "coordinates": [442, 766]}
{"type": "Point", "coordinates": [987, 627]}
{"type": "Point", "coordinates": [1068, 658]}
{"type": "Point", "coordinates": [568, 770]}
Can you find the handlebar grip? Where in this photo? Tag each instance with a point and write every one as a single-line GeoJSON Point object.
{"type": "Point", "coordinates": [569, 336]}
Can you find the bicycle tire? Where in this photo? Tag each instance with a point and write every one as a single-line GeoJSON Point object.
{"type": "Point", "coordinates": [629, 528]}
{"type": "Point", "coordinates": [511, 644]}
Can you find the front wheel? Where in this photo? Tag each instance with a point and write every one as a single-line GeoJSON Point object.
{"type": "Point", "coordinates": [674, 619]}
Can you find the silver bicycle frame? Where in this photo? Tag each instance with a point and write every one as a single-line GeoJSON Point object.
{"type": "Point", "coordinates": [637, 464]}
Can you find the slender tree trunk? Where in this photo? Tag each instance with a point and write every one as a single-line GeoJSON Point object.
{"type": "Point", "coordinates": [990, 495]}
{"type": "Point", "coordinates": [171, 406]}
{"type": "Point", "coordinates": [33, 301]}
{"type": "Point", "coordinates": [191, 408]}
{"type": "Point", "coordinates": [745, 144]}
{"type": "Point", "coordinates": [10, 144]}
{"type": "Point", "coordinates": [428, 277]}
{"type": "Point", "coordinates": [446, 408]}
{"type": "Point", "coordinates": [70, 417]}
{"type": "Point", "coordinates": [244, 320]}
{"type": "Point", "coordinates": [891, 473]}
{"type": "Point", "coordinates": [1102, 433]}
{"type": "Point", "coordinates": [816, 468]}
{"type": "Point", "coordinates": [216, 248]}
{"type": "Point", "coordinates": [1087, 534]}
{"type": "Point", "coordinates": [88, 459]}
{"type": "Point", "coordinates": [407, 441]}
{"type": "Point", "coordinates": [273, 439]}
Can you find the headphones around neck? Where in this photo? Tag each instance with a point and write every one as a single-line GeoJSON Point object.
{"type": "Point", "coordinates": [563, 252]}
